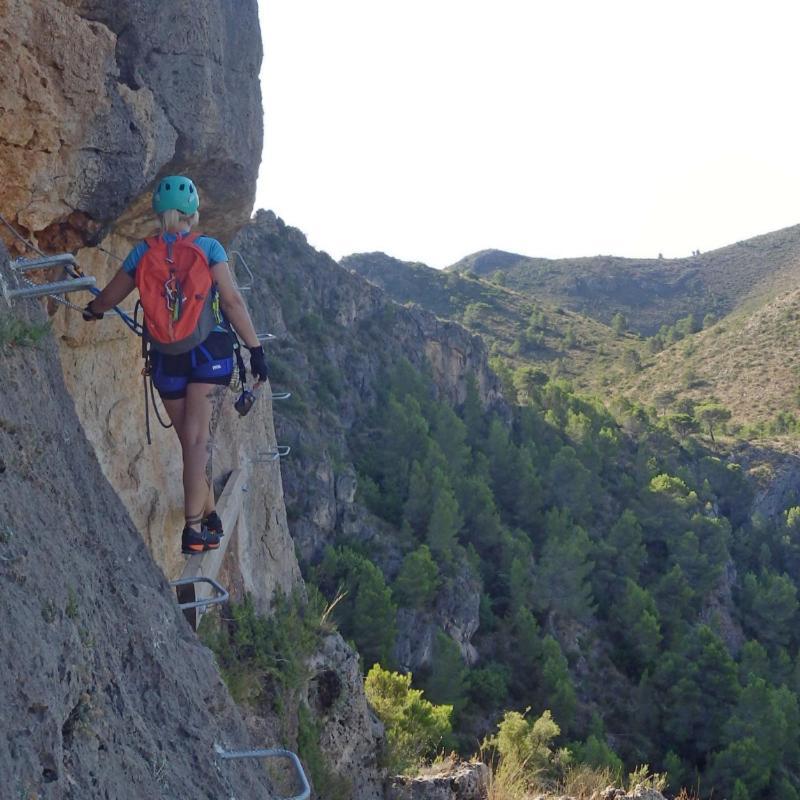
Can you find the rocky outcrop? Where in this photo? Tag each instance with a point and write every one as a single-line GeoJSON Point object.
{"type": "Point", "coordinates": [456, 613]}
{"type": "Point", "coordinates": [351, 735]}
{"type": "Point", "coordinates": [468, 781]}
{"type": "Point", "coordinates": [99, 97]}
{"type": "Point", "coordinates": [109, 694]}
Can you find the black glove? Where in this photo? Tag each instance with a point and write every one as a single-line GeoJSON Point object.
{"type": "Point", "coordinates": [89, 315]}
{"type": "Point", "coordinates": [258, 364]}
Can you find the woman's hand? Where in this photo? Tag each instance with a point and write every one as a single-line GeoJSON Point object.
{"type": "Point", "coordinates": [118, 288]}
{"type": "Point", "coordinates": [90, 315]}
{"type": "Point", "coordinates": [258, 364]}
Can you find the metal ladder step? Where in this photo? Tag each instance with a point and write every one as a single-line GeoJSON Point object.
{"type": "Point", "coordinates": [43, 289]}
{"type": "Point", "coordinates": [45, 262]}
{"type": "Point", "coordinates": [222, 596]}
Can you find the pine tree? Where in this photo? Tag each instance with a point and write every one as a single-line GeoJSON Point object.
{"type": "Point", "coordinates": [417, 580]}
{"type": "Point", "coordinates": [446, 682]}
{"type": "Point", "coordinates": [557, 691]}
{"type": "Point", "coordinates": [445, 522]}
{"type": "Point", "coordinates": [561, 576]}
{"type": "Point", "coordinates": [770, 605]}
{"type": "Point", "coordinates": [635, 621]}
{"type": "Point", "coordinates": [570, 483]}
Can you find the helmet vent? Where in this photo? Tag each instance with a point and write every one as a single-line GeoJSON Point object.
{"type": "Point", "coordinates": [182, 187]}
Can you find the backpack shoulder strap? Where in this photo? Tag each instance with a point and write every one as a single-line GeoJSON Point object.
{"type": "Point", "coordinates": [153, 242]}
{"type": "Point", "coordinates": [190, 241]}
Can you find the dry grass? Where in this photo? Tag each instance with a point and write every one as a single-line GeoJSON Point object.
{"type": "Point", "coordinates": [751, 366]}
{"type": "Point", "coordinates": [581, 782]}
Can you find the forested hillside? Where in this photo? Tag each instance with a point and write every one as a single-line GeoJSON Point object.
{"type": "Point", "coordinates": [656, 291]}
{"type": "Point", "coordinates": [518, 328]}
{"type": "Point", "coordinates": [618, 577]}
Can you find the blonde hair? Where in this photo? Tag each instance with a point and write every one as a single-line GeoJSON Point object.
{"type": "Point", "coordinates": [173, 221]}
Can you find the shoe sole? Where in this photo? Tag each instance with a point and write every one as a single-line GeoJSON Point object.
{"type": "Point", "coordinates": [193, 550]}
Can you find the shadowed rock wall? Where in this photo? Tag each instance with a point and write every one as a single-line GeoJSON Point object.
{"type": "Point", "coordinates": [108, 692]}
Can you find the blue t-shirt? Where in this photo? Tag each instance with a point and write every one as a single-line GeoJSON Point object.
{"type": "Point", "coordinates": [215, 252]}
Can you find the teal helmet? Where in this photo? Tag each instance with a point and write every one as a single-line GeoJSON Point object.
{"type": "Point", "coordinates": [178, 192]}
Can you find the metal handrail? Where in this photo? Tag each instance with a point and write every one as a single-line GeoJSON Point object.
{"type": "Point", "coordinates": [281, 395]}
{"type": "Point", "coordinates": [280, 451]}
{"type": "Point", "coordinates": [248, 286]}
{"type": "Point", "coordinates": [266, 337]}
{"type": "Point", "coordinates": [271, 753]}
{"type": "Point", "coordinates": [211, 601]}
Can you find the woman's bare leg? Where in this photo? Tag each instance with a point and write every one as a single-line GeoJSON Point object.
{"type": "Point", "coordinates": [196, 442]}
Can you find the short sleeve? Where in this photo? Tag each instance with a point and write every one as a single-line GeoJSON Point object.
{"type": "Point", "coordinates": [133, 258]}
{"type": "Point", "coordinates": [214, 251]}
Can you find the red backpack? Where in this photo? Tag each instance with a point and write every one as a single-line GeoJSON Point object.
{"type": "Point", "coordinates": [177, 294]}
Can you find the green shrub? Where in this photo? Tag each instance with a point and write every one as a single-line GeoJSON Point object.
{"type": "Point", "coordinates": [254, 652]}
{"type": "Point", "coordinates": [415, 727]}
{"type": "Point", "coordinates": [524, 751]}
{"type": "Point", "coordinates": [15, 332]}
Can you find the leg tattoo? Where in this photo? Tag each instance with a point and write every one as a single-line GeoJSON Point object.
{"type": "Point", "coordinates": [215, 397]}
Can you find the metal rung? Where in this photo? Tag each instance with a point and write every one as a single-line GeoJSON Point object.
{"type": "Point", "coordinates": [43, 289]}
{"type": "Point", "coordinates": [272, 753]}
{"type": "Point", "coordinates": [211, 601]}
{"type": "Point", "coordinates": [248, 286]}
{"type": "Point", "coordinates": [272, 455]}
{"type": "Point", "coordinates": [281, 395]}
{"type": "Point", "coordinates": [265, 337]}
{"type": "Point", "coordinates": [45, 262]}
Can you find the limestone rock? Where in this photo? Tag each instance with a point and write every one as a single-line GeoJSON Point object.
{"type": "Point", "coordinates": [99, 97]}
{"type": "Point", "coordinates": [111, 694]}
{"type": "Point", "coordinates": [466, 781]}
{"type": "Point", "coordinates": [456, 613]}
{"type": "Point", "coordinates": [351, 734]}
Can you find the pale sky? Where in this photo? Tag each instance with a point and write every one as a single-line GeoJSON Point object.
{"type": "Point", "coordinates": [430, 129]}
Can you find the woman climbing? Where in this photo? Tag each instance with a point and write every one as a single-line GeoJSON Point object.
{"type": "Point", "coordinates": [189, 301]}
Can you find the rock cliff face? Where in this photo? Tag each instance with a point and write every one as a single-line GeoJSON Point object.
{"type": "Point", "coordinates": [116, 696]}
{"type": "Point", "coordinates": [336, 333]}
{"type": "Point", "coordinates": [101, 97]}
{"type": "Point", "coordinates": [98, 97]}
{"type": "Point", "coordinates": [109, 693]}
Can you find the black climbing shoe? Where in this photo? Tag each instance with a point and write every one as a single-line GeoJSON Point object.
{"type": "Point", "coordinates": [213, 524]}
{"type": "Point", "coordinates": [193, 541]}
